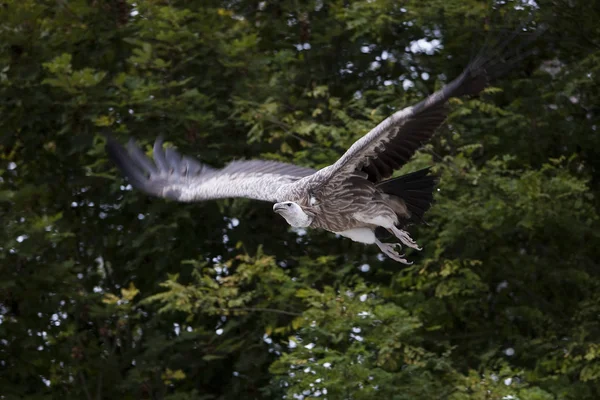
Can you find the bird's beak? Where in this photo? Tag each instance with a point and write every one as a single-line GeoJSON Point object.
{"type": "Point", "coordinates": [277, 207]}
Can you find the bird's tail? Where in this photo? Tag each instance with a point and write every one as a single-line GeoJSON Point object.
{"type": "Point", "coordinates": [415, 189]}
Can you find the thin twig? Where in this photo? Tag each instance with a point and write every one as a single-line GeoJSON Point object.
{"type": "Point", "coordinates": [288, 130]}
{"type": "Point", "coordinates": [99, 388]}
{"type": "Point", "coordinates": [261, 309]}
{"type": "Point", "coordinates": [84, 384]}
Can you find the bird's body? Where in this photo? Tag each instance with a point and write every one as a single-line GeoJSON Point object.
{"type": "Point", "coordinates": [352, 197]}
{"type": "Point", "coordinates": [354, 207]}
{"type": "Point", "coordinates": [350, 204]}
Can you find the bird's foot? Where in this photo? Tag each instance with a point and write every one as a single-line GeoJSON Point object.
{"type": "Point", "coordinates": [388, 250]}
{"type": "Point", "coordinates": [405, 238]}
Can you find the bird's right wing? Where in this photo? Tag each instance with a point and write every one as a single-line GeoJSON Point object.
{"type": "Point", "coordinates": [185, 179]}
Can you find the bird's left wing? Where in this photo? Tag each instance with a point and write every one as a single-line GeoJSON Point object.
{"type": "Point", "coordinates": [184, 179]}
{"type": "Point", "coordinates": [390, 145]}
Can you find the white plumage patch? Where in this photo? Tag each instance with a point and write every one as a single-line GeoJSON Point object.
{"type": "Point", "coordinates": [378, 220]}
{"type": "Point", "coordinates": [361, 235]}
{"type": "Point", "coordinates": [293, 214]}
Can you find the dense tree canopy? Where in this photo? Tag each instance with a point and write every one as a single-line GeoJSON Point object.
{"type": "Point", "coordinates": [106, 293]}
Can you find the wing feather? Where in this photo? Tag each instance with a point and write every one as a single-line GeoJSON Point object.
{"type": "Point", "coordinates": [394, 141]}
{"type": "Point", "coordinates": [182, 178]}
{"type": "Point", "coordinates": [173, 160]}
{"type": "Point", "coordinates": [193, 167]}
{"type": "Point", "coordinates": [139, 158]}
{"type": "Point", "coordinates": [159, 155]}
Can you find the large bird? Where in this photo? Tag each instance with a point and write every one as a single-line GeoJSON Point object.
{"type": "Point", "coordinates": [352, 197]}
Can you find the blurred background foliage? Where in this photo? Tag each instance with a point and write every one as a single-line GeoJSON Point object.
{"type": "Point", "coordinates": [106, 293]}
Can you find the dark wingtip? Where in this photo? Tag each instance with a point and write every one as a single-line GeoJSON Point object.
{"type": "Point", "coordinates": [126, 164]}
{"type": "Point", "coordinates": [498, 57]}
{"type": "Point", "coordinates": [116, 152]}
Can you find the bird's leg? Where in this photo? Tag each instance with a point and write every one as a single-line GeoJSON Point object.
{"type": "Point", "coordinates": [405, 238]}
{"type": "Point", "coordinates": [388, 250]}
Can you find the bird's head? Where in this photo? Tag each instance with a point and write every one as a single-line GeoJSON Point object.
{"type": "Point", "coordinates": [293, 214]}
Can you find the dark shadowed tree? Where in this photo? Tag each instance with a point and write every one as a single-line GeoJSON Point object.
{"type": "Point", "coordinates": [106, 293]}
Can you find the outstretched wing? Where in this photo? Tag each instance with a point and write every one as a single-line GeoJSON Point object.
{"type": "Point", "coordinates": [184, 179]}
{"type": "Point", "coordinates": [394, 141]}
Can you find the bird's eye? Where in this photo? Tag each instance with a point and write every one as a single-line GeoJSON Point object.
{"type": "Point", "coordinates": [289, 204]}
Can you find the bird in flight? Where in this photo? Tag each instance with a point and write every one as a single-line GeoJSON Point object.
{"type": "Point", "coordinates": [352, 197]}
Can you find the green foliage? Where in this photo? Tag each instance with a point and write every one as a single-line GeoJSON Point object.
{"type": "Point", "coordinates": [106, 293]}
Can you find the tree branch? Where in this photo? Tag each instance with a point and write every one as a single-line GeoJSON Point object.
{"type": "Point", "coordinates": [262, 309]}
